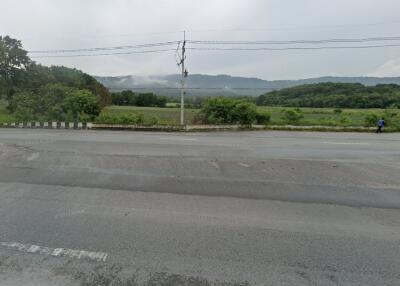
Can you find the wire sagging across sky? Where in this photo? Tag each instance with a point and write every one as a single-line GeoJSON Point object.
{"type": "Point", "coordinates": [219, 45]}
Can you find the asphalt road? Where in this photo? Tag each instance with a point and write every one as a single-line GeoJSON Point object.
{"type": "Point", "coordinates": [246, 208]}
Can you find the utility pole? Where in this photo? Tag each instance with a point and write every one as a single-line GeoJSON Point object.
{"type": "Point", "coordinates": [184, 75]}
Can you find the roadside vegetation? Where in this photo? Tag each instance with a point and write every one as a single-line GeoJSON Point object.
{"type": "Point", "coordinates": [32, 92]}
{"type": "Point", "coordinates": [274, 116]}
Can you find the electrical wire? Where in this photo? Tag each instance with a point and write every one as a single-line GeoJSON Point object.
{"type": "Point", "coordinates": [103, 54]}
{"type": "Point", "coordinates": [324, 41]}
{"type": "Point", "coordinates": [105, 48]}
{"type": "Point", "coordinates": [293, 48]}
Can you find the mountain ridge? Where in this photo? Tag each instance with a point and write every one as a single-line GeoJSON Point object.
{"type": "Point", "coordinates": [202, 84]}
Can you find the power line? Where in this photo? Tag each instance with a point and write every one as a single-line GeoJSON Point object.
{"type": "Point", "coordinates": [293, 48]}
{"type": "Point", "coordinates": [103, 54]}
{"type": "Point", "coordinates": [105, 48]}
{"type": "Point", "coordinates": [348, 40]}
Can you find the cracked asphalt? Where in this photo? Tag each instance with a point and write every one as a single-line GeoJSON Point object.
{"type": "Point", "coordinates": [229, 208]}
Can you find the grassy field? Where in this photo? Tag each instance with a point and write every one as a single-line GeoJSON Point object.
{"type": "Point", "coordinates": [166, 115]}
{"type": "Point", "coordinates": [310, 116]}
{"type": "Point", "coordinates": [323, 116]}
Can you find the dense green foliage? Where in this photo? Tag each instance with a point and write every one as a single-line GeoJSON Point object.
{"type": "Point", "coordinates": [55, 102]}
{"type": "Point", "coordinates": [336, 95]}
{"type": "Point", "coordinates": [13, 59]}
{"type": "Point", "coordinates": [129, 98]}
{"type": "Point", "coordinates": [132, 118]}
{"type": "Point", "coordinates": [222, 110]}
{"type": "Point", "coordinates": [36, 92]}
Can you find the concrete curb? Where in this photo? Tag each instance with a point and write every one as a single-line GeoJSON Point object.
{"type": "Point", "coordinates": [47, 125]}
{"type": "Point", "coordinates": [186, 128]}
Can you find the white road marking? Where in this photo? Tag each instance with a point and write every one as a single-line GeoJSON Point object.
{"type": "Point", "coordinates": [33, 156]}
{"type": "Point", "coordinates": [69, 214]}
{"type": "Point", "coordinates": [178, 138]}
{"type": "Point", "coordinates": [214, 164]}
{"type": "Point", "coordinates": [346, 143]}
{"type": "Point", "coordinates": [244, 165]}
{"type": "Point", "coordinates": [71, 253]}
{"type": "Point", "coordinates": [44, 134]}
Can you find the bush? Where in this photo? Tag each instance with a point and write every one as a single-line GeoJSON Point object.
{"type": "Point", "coordinates": [292, 116]}
{"type": "Point", "coordinates": [337, 111]}
{"type": "Point", "coordinates": [222, 110]}
{"type": "Point", "coordinates": [123, 118]}
{"type": "Point", "coordinates": [371, 119]}
{"type": "Point", "coordinates": [244, 113]}
{"type": "Point", "coordinates": [263, 117]}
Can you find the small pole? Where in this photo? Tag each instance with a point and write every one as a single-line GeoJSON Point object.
{"type": "Point", "coordinates": [184, 75]}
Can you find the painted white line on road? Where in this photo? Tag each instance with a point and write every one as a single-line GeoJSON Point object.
{"type": "Point", "coordinates": [214, 164]}
{"type": "Point", "coordinates": [33, 156]}
{"type": "Point", "coordinates": [178, 138]}
{"type": "Point", "coordinates": [346, 143]}
{"type": "Point", "coordinates": [71, 253]}
{"type": "Point", "coordinates": [244, 165]}
{"type": "Point", "coordinates": [44, 134]}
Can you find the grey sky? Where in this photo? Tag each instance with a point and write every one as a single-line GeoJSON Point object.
{"type": "Point", "coordinates": [57, 24]}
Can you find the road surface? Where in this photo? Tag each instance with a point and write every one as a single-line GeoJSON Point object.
{"type": "Point", "coordinates": [245, 208]}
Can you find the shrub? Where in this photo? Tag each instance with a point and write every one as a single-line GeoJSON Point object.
{"type": "Point", "coordinates": [218, 110]}
{"type": "Point", "coordinates": [244, 113]}
{"type": "Point", "coordinates": [371, 119]}
{"type": "Point", "coordinates": [337, 111]}
{"type": "Point", "coordinates": [263, 117]}
{"type": "Point", "coordinates": [222, 110]}
{"type": "Point", "coordinates": [292, 116]}
{"type": "Point", "coordinates": [123, 118]}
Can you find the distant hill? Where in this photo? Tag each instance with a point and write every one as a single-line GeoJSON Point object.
{"type": "Point", "coordinates": [337, 95]}
{"type": "Point", "coordinates": [199, 84]}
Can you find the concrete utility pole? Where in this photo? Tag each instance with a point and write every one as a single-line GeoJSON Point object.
{"type": "Point", "coordinates": [184, 75]}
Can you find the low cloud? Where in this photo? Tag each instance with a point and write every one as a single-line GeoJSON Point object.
{"type": "Point", "coordinates": [389, 69]}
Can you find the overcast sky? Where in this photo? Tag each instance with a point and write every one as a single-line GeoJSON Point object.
{"type": "Point", "coordinates": [69, 24]}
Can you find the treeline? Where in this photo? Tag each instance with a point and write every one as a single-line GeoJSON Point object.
{"type": "Point", "coordinates": [334, 95]}
{"type": "Point", "coordinates": [37, 92]}
{"type": "Point", "coordinates": [130, 98]}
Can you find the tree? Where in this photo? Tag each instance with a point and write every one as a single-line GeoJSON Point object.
{"type": "Point", "coordinates": [55, 102]}
{"type": "Point", "coordinates": [12, 59]}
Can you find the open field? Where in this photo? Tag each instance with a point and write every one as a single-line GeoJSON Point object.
{"type": "Point", "coordinates": [166, 115]}
{"type": "Point", "coordinates": [310, 116]}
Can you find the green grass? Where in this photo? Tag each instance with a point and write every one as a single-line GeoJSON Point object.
{"type": "Point", "coordinates": [5, 116]}
{"type": "Point", "coordinates": [311, 116]}
{"type": "Point", "coordinates": [167, 115]}
{"type": "Point", "coordinates": [327, 116]}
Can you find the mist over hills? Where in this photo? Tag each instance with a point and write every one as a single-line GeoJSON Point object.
{"type": "Point", "coordinates": [203, 85]}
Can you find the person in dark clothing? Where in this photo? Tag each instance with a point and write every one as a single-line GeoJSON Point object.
{"type": "Point", "coordinates": [381, 125]}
